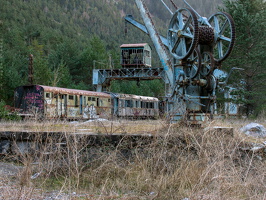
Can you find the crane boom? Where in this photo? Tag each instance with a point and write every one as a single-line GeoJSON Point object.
{"type": "Point", "coordinates": [157, 42]}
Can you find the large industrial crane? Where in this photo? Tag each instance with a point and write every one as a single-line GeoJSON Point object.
{"type": "Point", "coordinates": [195, 46]}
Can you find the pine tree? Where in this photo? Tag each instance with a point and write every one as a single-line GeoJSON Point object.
{"type": "Point", "coordinates": [1, 60]}
{"type": "Point", "coordinates": [249, 51]}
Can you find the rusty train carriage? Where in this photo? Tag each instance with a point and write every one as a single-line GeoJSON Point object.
{"type": "Point", "coordinates": [54, 102]}
{"type": "Point", "coordinates": [135, 106]}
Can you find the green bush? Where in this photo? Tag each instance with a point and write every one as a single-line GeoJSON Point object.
{"type": "Point", "coordinates": [5, 114]}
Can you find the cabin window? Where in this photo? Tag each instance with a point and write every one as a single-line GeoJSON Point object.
{"type": "Point", "coordinates": [47, 95]}
{"type": "Point", "coordinates": [93, 98]}
{"type": "Point", "coordinates": [147, 53]}
{"type": "Point", "coordinates": [70, 97]}
{"type": "Point", "coordinates": [109, 100]}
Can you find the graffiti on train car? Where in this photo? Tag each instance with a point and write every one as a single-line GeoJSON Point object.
{"type": "Point", "coordinates": [54, 102]}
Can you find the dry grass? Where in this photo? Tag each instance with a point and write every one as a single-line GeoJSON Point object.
{"type": "Point", "coordinates": [105, 127]}
{"type": "Point", "coordinates": [178, 162]}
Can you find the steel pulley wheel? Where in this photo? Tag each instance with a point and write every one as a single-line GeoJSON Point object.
{"type": "Point", "coordinates": [183, 33]}
{"type": "Point", "coordinates": [207, 64]}
{"type": "Point", "coordinates": [224, 35]}
{"type": "Point", "coordinates": [193, 64]}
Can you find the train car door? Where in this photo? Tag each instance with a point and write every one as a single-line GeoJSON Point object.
{"type": "Point", "coordinates": [64, 105]}
{"type": "Point", "coordinates": [80, 104]}
{"type": "Point", "coordinates": [115, 106]}
{"type": "Point", "coordinates": [57, 105]}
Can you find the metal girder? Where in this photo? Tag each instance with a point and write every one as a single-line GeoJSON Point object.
{"type": "Point", "coordinates": [103, 77]}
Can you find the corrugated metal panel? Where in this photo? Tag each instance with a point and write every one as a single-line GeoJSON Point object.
{"type": "Point", "coordinates": [74, 91]}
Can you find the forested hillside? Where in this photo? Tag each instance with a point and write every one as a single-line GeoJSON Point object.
{"type": "Point", "coordinates": [67, 37]}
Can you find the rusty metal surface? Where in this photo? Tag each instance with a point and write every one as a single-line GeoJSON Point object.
{"type": "Point", "coordinates": [155, 37]}
{"type": "Point", "coordinates": [133, 45]}
{"type": "Point", "coordinates": [137, 97]}
{"type": "Point", "coordinates": [58, 90]}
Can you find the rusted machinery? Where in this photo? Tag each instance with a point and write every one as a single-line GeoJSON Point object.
{"type": "Point", "coordinates": [195, 46]}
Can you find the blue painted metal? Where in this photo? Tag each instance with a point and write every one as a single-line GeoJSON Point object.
{"type": "Point", "coordinates": [103, 77]}
{"type": "Point", "coordinates": [157, 42]}
{"type": "Point", "coordinates": [191, 89]}
{"type": "Point", "coordinates": [196, 46]}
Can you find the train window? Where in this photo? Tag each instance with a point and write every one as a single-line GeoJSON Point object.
{"type": "Point", "coordinates": [47, 95]}
{"type": "Point", "coordinates": [128, 103]}
{"type": "Point", "coordinates": [98, 102]}
{"type": "Point", "coordinates": [84, 100]}
{"type": "Point", "coordinates": [109, 100]}
{"type": "Point", "coordinates": [122, 103]}
{"type": "Point", "coordinates": [55, 96]}
{"type": "Point", "coordinates": [70, 97]}
{"type": "Point", "coordinates": [93, 98]}
{"type": "Point", "coordinates": [76, 101]}
{"type": "Point", "coordinates": [137, 104]}
{"type": "Point", "coordinates": [133, 104]}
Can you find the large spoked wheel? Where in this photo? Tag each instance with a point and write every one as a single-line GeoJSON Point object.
{"type": "Point", "coordinates": [224, 35]}
{"type": "Point", "coordinates": [183, 33]}
{"type": "Point", "coordinates": [193, 64]}
{"type": "Point", "coordinates": [207, 64]}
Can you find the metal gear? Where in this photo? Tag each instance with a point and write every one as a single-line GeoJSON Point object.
{"type": "Point", "coordinates": [224, 35]}
{"type": "Point", "coordinates": [183, 33]}
{"type": "Point", "coordinates": [207, 64]}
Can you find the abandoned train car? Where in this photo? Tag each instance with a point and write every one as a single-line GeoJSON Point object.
{"type": "Point", "coordinates": [54, 102]}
